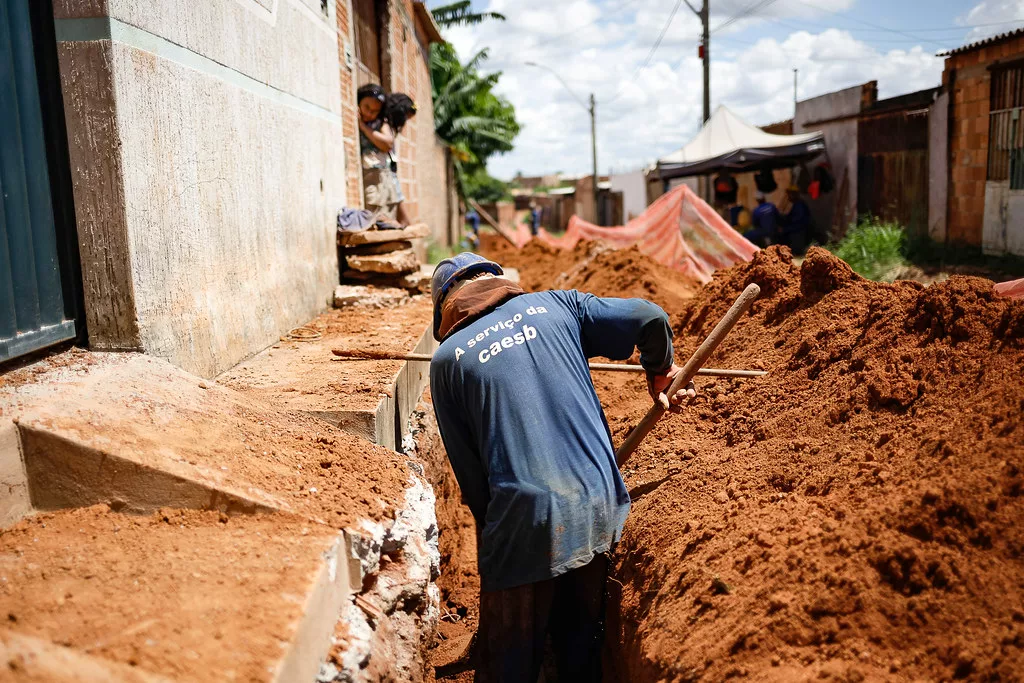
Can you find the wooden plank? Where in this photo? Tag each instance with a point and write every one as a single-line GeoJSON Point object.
{"type": "Point", "coordinates": [491, 222]}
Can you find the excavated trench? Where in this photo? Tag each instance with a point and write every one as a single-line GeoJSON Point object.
{"type": "Point", "coordinates": [852, 515]}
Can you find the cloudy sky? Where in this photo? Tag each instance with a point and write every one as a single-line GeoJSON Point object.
{"type": "Point", "coordinates": [649, 100]}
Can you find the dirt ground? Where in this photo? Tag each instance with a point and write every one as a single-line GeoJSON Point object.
{"type": "Point", "coordinates": [853, 515]}
{"type": "Point", "coordinates": [191, 577]}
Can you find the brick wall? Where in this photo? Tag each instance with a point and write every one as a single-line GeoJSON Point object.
{"type": "Point", "coordinates": [349, 112]}
{"type": "Point", "coordinates": [967, 78]}
{"type": "Point", "coordinates": [422, 163]}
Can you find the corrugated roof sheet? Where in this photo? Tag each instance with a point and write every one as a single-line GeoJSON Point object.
{"type": "Point", "coordinates": [982, 43]}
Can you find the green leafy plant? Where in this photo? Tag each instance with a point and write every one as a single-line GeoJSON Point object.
{"type": "Point", "coordinates": [469, 116]}
{"type": "Point", "coordinates": [875, 249]}
{"type": "Point", "coordinates": [461, 14]}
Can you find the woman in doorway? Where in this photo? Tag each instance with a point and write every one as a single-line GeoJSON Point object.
{"type": "Point", "coordinates": [399, 108]}
{"type": "Point", "coordinates": [376, 140]}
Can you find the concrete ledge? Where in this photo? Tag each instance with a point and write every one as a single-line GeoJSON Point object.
{"type": "Point", "coordinates": [14, 493]}
{"type": "Point", "coordinates": [25, 658]}
{"type": "Point", "coordinates": [331, 591]}
{"type": "Point", "coordinates": [63, 473]}
{"type": "Point", "coordinates": [385, 423]}
{"type": "Point", "coordinates": [370, 399]}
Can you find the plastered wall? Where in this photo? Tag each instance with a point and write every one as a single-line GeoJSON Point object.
{"type": "Point", "coordinates": [208, 166]}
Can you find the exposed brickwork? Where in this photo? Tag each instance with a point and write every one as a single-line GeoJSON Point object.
{"type": "Point", "coordinates": [422, 164]}
{"type": "Point", "coordinates": [349, 127]}
{"type": "Point", "coordinates": [969, 75]}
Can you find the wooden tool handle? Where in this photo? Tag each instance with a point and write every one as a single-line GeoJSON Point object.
{"type": "Point", "coordinates": [689, 371]}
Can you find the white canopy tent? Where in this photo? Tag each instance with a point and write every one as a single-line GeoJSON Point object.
{"type": "Point", "coordinates": [728, 142]}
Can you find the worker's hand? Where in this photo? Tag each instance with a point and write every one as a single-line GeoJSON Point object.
{"type": "Point", "coordinates": [657, 385]}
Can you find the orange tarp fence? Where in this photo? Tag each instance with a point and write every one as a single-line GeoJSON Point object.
{"type": "Point", "coordinates": [680, 231]}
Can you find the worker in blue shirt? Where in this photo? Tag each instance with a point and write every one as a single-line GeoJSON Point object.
{"type": "Point", "coordinates": [796, 223]}
{"type": "Point", "coordinates": [531, 449]}
{"type": "Point", "coordinates": [764, 223]}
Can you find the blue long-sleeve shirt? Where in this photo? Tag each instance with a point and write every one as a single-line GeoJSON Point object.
{"type": "Point", "coordinates": [798, 220]}
{"type": "Point", "coordinates": [525, 432]}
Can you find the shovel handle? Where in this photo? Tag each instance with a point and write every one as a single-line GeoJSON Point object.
{"type": "Point", "coordinates": [689, 371]}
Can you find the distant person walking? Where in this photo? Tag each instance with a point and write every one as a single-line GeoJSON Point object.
{"type": "Point", "coordinates": [535, 215]}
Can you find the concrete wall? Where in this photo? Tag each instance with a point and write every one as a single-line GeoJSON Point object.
{"type": "Point", "coordinates": [835, 115]}
{"type": "Point", "coordinates": [967, 78]}
{"type": "Point", "coordinates": [349, 110]}
{"type": "Point", "coordinates": [207, 167]}
{"type": "Point", "coordinates": [633, 187]}
{"type": "Point", "coordinates": [1003, 227]}
{"type": "Point", "coordinates": [938, 167]}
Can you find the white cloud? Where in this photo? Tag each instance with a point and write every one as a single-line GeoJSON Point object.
{"type": "Point", "coordinates": [991, 17]}
{"type": "Point", "coordinates": [643, 114]}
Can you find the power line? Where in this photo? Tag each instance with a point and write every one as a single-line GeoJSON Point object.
{"type": "Point", "coordinates": [751, 9]}
{"type": "Point", "coordinates": [661, 37]}
{"type": "Point", "coordinates": [650, 55]}
{"type": "Point", "coordinates": [600, 18]}
{"type": "Point", "coordinates": [868, 23]}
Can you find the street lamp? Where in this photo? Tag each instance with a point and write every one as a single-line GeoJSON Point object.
{"type": "Point", "coordinates": [591, 109]}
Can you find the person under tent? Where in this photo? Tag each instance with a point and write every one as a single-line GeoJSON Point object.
{"type": "Point", "coordinates": [796, 223]}
{"type": "Point", "coordinates": [764, 222]}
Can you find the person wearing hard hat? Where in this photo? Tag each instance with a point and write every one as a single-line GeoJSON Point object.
{"type": "Point", "coordinates": [532, 452]}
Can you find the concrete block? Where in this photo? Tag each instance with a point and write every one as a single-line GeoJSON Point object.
{"type": "Point", "coordinates": [330, 591]}
{"type": "Point", "coordinates": [393, 263]}
{"type": "Point", "coordinates": [64, 473]}
{"type": "Point", "coordinates": [33, 659]}
{"type": "Point", "coordinates": [351, 239]}
{"type": "Point", "coordinates": [14, 497]}
{"type": "Point", "coordinates": [350, 295]}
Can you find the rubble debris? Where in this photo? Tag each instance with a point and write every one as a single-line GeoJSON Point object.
{"type": "Point", "coordinates": [398, 262]}
{"type": "Point", "coordinates": [374, 297]}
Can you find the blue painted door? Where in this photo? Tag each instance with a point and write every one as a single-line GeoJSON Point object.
{"type": "Point", "coordinates": [32, 306]}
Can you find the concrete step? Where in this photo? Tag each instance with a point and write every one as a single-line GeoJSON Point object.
{"type": "Point", "coordinates": [371, 399]}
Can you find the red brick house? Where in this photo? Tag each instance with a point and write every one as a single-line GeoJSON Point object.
{"type": "Point", "coordinates": [984, 201]}
{"type": "Point", "coordinates": [388, 42]}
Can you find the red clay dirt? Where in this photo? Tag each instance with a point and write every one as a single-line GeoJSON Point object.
{"type": "Point", "coordinates": [173, 593]}
{"type": "Point", "coordinates": [853, 515]}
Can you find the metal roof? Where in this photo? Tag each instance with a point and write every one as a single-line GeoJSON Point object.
{"type": "Point", "coordinates": [982, 43]}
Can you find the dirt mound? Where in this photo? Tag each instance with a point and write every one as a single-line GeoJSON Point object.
{"type": "Point", "coordinates": [854, 513]}
{"type": "Point", "coordinates": [594, 267]}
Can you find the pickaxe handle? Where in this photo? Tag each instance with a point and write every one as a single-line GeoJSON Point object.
{"type": "Point", "coordinates": [689, 371]}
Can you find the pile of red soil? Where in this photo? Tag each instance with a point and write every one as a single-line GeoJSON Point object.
{"type": "Point", "coordinates": [856, 512]}
{"type": "Point", "coordinates": [593, 267]}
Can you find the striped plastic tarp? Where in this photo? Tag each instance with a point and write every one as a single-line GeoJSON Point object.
{"type": "Point", "coordinates": [1014, 289]}
{"type": "Point", "coordinates": [680, 231]}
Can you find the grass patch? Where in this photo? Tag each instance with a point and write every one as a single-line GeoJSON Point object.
{"type": "Point", "coordinates": [438, 252]}
{"type": "Point", "coordinates": [875, 249]}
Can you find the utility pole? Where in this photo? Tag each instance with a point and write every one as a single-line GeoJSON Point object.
{"type": "Point", "coordinates": [795, 72]}
{"type": "Point", "coordinates": [593, 149]}
{"type": "Point", "coordinates": [705, 16]}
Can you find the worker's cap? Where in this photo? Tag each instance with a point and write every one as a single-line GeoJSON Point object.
{"type": "Point", "coordinates": [450, 271]}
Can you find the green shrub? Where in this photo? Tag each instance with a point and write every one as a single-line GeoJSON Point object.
{"type": "Point", "coordinates": [874, 249]}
